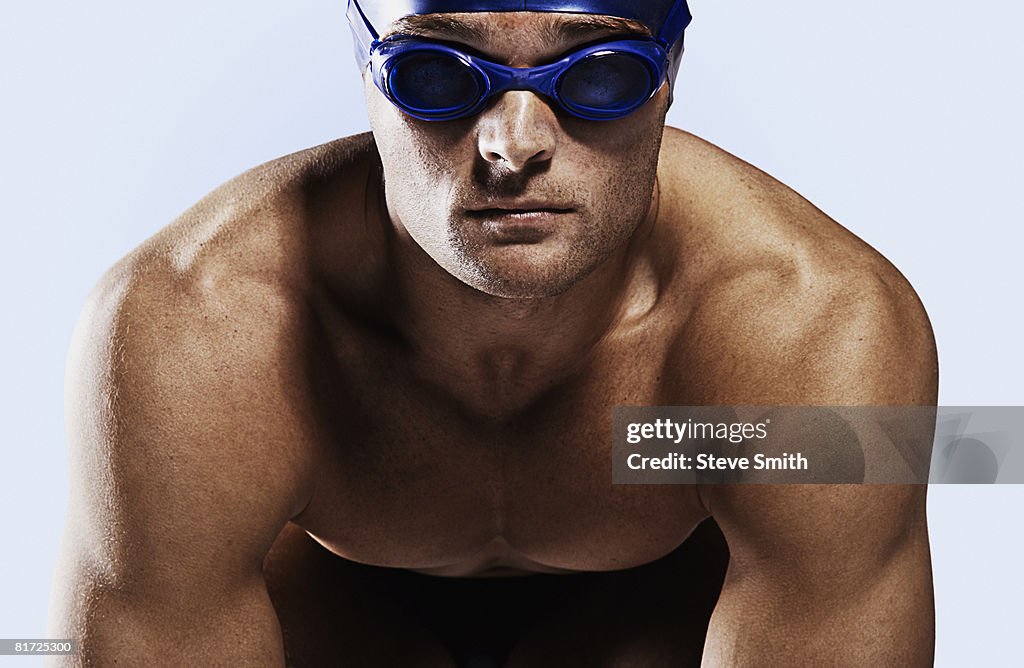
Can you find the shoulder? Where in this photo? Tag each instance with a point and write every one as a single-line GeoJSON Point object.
{"type": "Point", "coordinates": [190, 349]}
{"type": "Point", "coordinates": [187, 426]}
{"type": "Point", "coordinates": [784, 306]}
{"type": "Point", "coordinates": [229, 278]}
{"type": "Point", "coordinates": [267, 219]}
{"type": "Point", "coordinates": [179, 386]}
{"type": "Point", "coordinates": [184, 458]}
{"type": "Point", "coordinates": [218, 299]}
{"type": "Point", "coordinates": [191, 429]}
{"type": "Point", "coordinates": [781, 305]}
{"type": "Point", "coordinates": [789, 306]}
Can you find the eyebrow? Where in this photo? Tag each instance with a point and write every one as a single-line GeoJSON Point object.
{"type": "Point", "coordinates": [426, 25]}
{"type": "Point", "coordinates": [584, 25]}
{"type": "Point", "coordinates": [564, 29]}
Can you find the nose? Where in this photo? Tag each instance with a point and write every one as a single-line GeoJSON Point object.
{"type": "Point", "coordinates": [519, 130]}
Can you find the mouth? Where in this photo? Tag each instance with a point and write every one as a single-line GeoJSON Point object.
{"type": "Point", "coordinates": [519, 205]}
{"type": "Point", "coordinates": [520, 224]}
{"type": "Point", "coordinates": [524, 209]}
{"type": "Point", "coordinates": [520, 221]}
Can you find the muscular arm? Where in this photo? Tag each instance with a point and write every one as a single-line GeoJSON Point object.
{"type": "Point", "coordinates": [180, 481]}
{"type": "Point", "coordinates": [830, 575]}
{"type": "Point", "coordinates": [823, 575]}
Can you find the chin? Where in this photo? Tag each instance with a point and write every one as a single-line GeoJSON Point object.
{"type": "Point", "coordinates": [519, 274]}
{"type": "Point", "coordinates": [519, 289]}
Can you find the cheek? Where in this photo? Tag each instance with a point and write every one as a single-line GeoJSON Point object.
{"type": "Point", "coordinates": [426, 166]}
{"type": "Point", "coordinates": [621, 151]}
{"type": "Point", "coordinates": [636, 136]}
{"type": "Point", "coordinates": [411, 154]}
{"type": "Point", "coordinates": [619, 167]}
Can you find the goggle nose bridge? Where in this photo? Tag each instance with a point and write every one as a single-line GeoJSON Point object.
{"type": "Point", "coordinates": [502, 78]}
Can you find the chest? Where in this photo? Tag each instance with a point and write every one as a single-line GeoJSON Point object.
{"type": "Point", "coordinates": [414, 475]}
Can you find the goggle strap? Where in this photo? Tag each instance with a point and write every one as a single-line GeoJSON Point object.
{"type": "Point", "coordinates": [675, 24]}
{"type": "Point", "coordinates": [365, 34]}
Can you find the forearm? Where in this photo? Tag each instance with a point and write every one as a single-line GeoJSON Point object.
{"type": "Point", "coordinates": [886, 621]}
{"type": "Point", "coordinates": [118, 629]}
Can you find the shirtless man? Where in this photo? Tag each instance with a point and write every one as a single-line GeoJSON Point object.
{"type": "Point", "coordinates": [354, 407]}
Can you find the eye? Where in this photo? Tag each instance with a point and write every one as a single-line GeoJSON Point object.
{"type": "Point", "coordinates": [607, 81]}
{"type": "Point", "coordinates": [433, 80]}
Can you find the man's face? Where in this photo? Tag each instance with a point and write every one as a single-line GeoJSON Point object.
{"type": "Point", "coordinates": [522, 200]}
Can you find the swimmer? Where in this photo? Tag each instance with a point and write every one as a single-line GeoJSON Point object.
{"type": "Point", "coordinates": [354, 407]}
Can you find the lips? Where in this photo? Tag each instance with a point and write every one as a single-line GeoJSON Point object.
{"type": "Point", "coordinates": [517, 209]}
{"type": "Point", "coordinates": [520, 222]}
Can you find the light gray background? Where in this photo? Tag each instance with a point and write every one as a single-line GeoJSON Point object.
{"type": "Point", "coordinates": [900, 120]}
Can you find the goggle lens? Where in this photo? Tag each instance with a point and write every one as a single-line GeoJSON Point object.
{"type": "Point", "coordinates": [608, 83]}
{"type": "Point", "coordinates": [434, 83]}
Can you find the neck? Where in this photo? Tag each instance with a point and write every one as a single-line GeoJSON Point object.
{"type": "Point", "coordinates": [512, 349]}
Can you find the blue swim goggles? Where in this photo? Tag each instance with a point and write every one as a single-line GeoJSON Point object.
{"type": "Point", "coordinates": [434, 80]}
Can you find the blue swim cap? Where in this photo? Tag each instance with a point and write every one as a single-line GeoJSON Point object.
{"type": "Point", "coordinates": [667, 19]}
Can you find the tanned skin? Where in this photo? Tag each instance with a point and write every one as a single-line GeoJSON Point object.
{"type": "Point", "coordinates": [354, 408]}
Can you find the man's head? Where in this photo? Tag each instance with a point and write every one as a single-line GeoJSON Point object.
{"type": "Point", "coordinates": [515, 187]}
